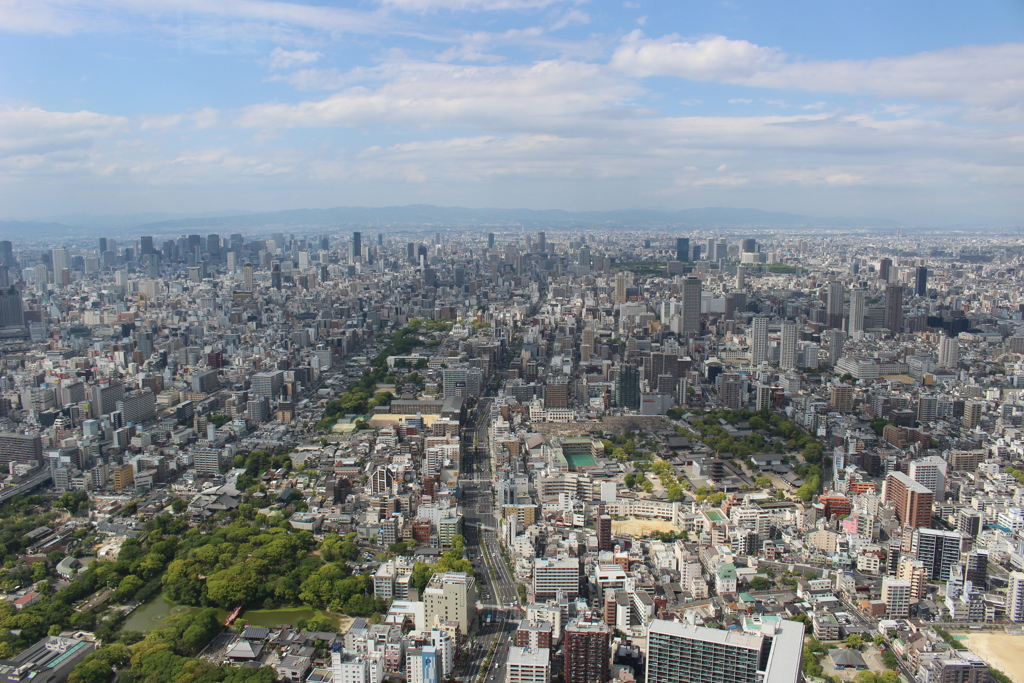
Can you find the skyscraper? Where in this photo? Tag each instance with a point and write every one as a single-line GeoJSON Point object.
{"type": "Point", "coordinates": [921, 282]}
{"type": "Point", "coordinates": [835, 305]}
{"type": "Point", "coordinates": [691, 305]}
{"type": "Point", "coordinates": [490, 240]}
{"type": "Point", "coordinates": [357, 247]}
{"type": "Point", "coordinates": [542, 242]}
{"type": "Point", "coordinates": [627, 386]}
{"type": "Point", "coordinates": [769, 650]}
{"type": "Point", "coordinates": [146, 244]}
{"type": "Point", "coordinates": [884, 266]}
{"type": "Point", "coordinates": [787, 350]}
{"type": "Point", "coordinates": [759, 341]}
{"type": "Point", "coordinates": [912, 501]}
{"type": "Point", "coordinates": [682, 249]}
{"type": "Point", "coordinates": [620, 287]}
{"type": "Point", "coordinates": [856, 325]}
{"type": "Point", "coordinates": [748, 245]}
{"type": "Point", "coordinates": [894, 307]}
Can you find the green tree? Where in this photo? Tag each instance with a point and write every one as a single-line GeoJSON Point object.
{"type": "Point", "coordinates": [854, 641]}
{"type": "Point", "coordinates": [763, 482]}
{"type": "Point", "coordinates": [759, 583]}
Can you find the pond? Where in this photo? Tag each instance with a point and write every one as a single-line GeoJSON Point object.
{"type": "Point", "coordinates": [148, 616]}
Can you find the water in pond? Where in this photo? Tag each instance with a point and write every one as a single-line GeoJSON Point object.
{"type": "Point", "coordinates": [148, 616]}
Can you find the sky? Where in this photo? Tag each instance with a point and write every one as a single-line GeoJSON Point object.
{"type": "Point", "coordinates": [910, 110]}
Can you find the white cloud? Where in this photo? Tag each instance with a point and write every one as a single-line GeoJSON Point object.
{"type": "Point", "coordinates": [64, 17]}
{"type": "Point", "coordinates": [989, 75]}
{"type": "Point", "coordinates": [543, 96]}
{"type": "Point", "coordinates": [284, 59]}
{"type": "Point", "coordinates": [471, 5]}
{"type": "Point", "coordinates": [34, 131]}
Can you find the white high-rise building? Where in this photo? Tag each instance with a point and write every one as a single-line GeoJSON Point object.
{"type": "Point", "coordinates": [787, 351]}
{"type": "Point", "coordinates": [931, 472]}
{"type": "Point", "coordinates": [896, 596]}
{"type": "Point", "coordinates": [759, 341]}
{"type": "Point", "coordinates": [949, 353]}
{"type": "Point", "coordinates": [1015, 597]}
{"type": "Point", "coordinates": [856, 326]}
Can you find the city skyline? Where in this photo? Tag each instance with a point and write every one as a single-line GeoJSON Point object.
{"type": "Point", "coordinates": [175, 107]}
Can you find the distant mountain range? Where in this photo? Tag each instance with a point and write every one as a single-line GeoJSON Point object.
{"type": "Point", "coordinates": [423, 215]}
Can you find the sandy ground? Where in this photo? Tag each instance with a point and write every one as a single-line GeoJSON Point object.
{"type": "Point", "coordinates": [638, 528]}
{"type": "Point", "coordinates": [344, 622]}
{"type": "Point", "coordinates": [1001, 651]}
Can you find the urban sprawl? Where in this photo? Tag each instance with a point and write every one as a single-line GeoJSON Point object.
{"type": "Point", "coordinates": [488, 454]}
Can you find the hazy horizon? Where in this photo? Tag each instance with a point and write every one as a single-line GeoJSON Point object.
{"type": "Point", "coordinates": [911, 113]}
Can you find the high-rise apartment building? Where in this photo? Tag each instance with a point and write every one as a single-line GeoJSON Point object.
{"type": "Point", "coordinates": [856, 325]}
{"type": "Point", "coordinates": [938, 550]}
{"type": "Point", "coordinates": [627, 386]}
{"type": "Point", "coordinates": [896, 596]}
{"type": "Point", "coordinates": [1015, 597]}
{"type": "Point", "coordinates": [787, 348]}
{"type": "Point", "coordinates": [841, 397]}
{"type": "Point", "coordinates": [24, 448]}
{"type": "Point", "coordinates": [949, 353]}
{"type": "Point", "coordinates": [587, 651]}
{"type": "Point", "coordinates": [759, 341]}
{"type": "Point", "coordinates": [835, 305]}
{"type": "Point", "coordinates": [931, 472]}
{"type": "Point", "coordinates": [912, 501]}
{"type": "Point", "coordinates": [767, 650]}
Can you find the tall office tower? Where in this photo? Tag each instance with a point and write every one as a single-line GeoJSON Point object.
{"type": "Point", "coordinates": [735, 302]}
{"type": "Point", "coordinates": [894, 307]}
{"type": "Point", "coordinates": [542, 242]}
{"type": "Point", "coordinates": [1015, 597]}
{"type": "Point", "coordinates": [61, 261]}
{"type": "Point", "coordinates": [759, 341]}
{"type": "Point", "coordinates": [748, 245]}
{"type": "Point", "coordinates": [939, 551]}
{"type": "Point", "coordinates": [931, 472]}
{"type": "Point", "coordinates": [490, 240]}
{"type": "Point", "coordinates": [912, 501]}
{"type": "Point", "coordinates": [620, 287]}
{"type": "Point", "coordinates": [856, 325]}
{"type": "Point", "coordinates": [721, 250]}
{"type": "Point", "coordinates": [709, 249]}
{"type": "Point", "coordinates": [587, 651]}
{"type": "Point", "coordinates": [6, 254]}
{"type": "Point", "coordinates": [835, 305]}
{"type": "Point", "coordinates": [146, 244]}
{"type": "Point", "coordinates": [275, 275]}
{"type": "Point", "coordinates": [380, 239]}
{"type": "Point", "coordinates": [450, 597]}
{"type": "Point", "coordinates": [884, 268]}
{"type": "Point", "coordinates": [12, 310]}
{"type": "Point", "coordinates": [741, 277]}
{"type": "Point", "coordinates": [103, 244]}
{"type": "Point", "coordinates": [787, 349]}
{"type": "Point", "coordinates": [410, 249]}
{"type": "Point", "coordinates": [921, 282]}
{"type": "Point", "coordinates": [460, 277]}
{"type": "Point", "coordinates": [627, 386]}
{"type": "Point", "coordinates": [247, 277]}
{"type": "Point", "coordinates": [682, 249]}
{"type": "Point", "coordinates": [690, 312]}
{"type": "Point", "coordinates": [357, 247]}
{"type": "Point", "coordinates": [685, 653]}
{"type": "Point", "coordinates": [421, 255]}
{"type": "Point", "coordinates": [584, 258]}
{"type": "Point", "coordinates": [213, 245]}
{"type": "Point", "coordinates": [949, 353]}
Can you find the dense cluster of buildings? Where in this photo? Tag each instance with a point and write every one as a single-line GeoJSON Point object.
{"type": "Point", "coordinates": [582, 366]}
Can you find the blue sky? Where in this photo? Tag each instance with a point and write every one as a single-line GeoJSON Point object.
{"type": "Point", "coordinates": [908, 110]}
